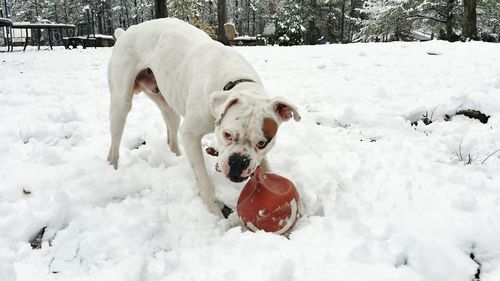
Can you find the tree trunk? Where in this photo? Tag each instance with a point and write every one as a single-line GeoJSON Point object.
{"type": "Point", "coordinates": [108, 17]}
{"type": "Point", "coordinates": [36, 11]}
{"type": "Point", "coordinates": [330, 21]}
{"type": "Point", "coordinates": [6, 9]}
{"type": "Point", "coordinates": [161, 9]}
{"type": "Point", "coordinates": [100, 15]}
{"type": "Point", "coordinates": [136, 18]}
{"type": "Point", "coordinates": [55, 13]}
{"type": "Point", "coordinates": [470, 19]}
{"type": "Point", "coordinates": [351, 24]}
{"type": "Point", "coordinates": [236, 15]}
{"type": "Point", "coordinates": [92, 22]}
{"type": "Point", "coordinates": [127, 18]}
{"type": "Point", "coordinates": [342, 18]}
{"type": "Point", "coordinates": [65, 5]}
{"type": "Point", "coordinates": [312, 34]}
{"type": "Point", "coordinates": [248, 17]}
{"type": "Point", "coordinates": [313, 37]}
{"type": "Point", "coordinates": [450, 35]}
{"type": "Point", "coordinates": [210, 10]}
{"type": "Point", "coordinates": [253, 22]}
{"type": "Point", "coordinates": [221, 20]}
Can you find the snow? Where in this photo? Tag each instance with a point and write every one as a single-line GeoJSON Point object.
{"type": "Point", "coordinates": [384, 200]}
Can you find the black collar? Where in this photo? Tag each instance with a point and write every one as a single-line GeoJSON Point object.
{"type": "Point", "coordinates": [231, 84]}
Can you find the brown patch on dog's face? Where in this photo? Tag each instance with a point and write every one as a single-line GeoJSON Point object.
{"type": "Point", "coordinates": [269, 128]}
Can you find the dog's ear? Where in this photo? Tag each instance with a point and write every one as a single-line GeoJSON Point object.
{"type": "Point", "coordinates": [220, 103]}
{"type": "Point", "coordinates": [284, 109]}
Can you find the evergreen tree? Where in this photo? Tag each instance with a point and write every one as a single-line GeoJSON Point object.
{"type": "Point", "coordinates": [398, 18]}
{"type": "Point", "coordinates": [297, 21]}
{"type": "Point", "coordinates": [385, 18]}
{"type": "Point", "coordinates": [185, 10]}
{"type": "Point", "coordinates": [290, 28]}
{"type": "Point", "coordinates": [488, 20]}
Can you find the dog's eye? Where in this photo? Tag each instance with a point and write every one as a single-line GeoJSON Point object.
{"type": "Point", "coordinates": [228, 136]}
{"type": "Point", "coordinates": [262, 144]}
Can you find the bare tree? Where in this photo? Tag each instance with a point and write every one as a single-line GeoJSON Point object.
{"type": "Point", "coordinates": [161, 9]}
{"type": "Point", "coordinates": [470, 19]}
{"type": "Point", "coordinates": [221, 20]}
{"type": "Point", "coordinates": [342, 19]}
{"type": "Point", "coordinates": [450, 35]}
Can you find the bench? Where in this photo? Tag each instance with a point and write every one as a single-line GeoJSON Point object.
{"type": "Point", "coordinates": [97, 40]}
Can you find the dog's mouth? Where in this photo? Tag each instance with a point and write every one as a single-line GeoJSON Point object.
{"type": "Point", "coordinates": [235, 178]}
{"type": "Point", "coordinates": [227, 172]}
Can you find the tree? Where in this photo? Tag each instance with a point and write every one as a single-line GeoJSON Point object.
{"type": "Point", "coordinates": [161, 9]}
{"type": "Point", "coordinates": [438, 14]}
{"type": "Point", "coordinates": [249, 16]}
{"type": "Point", "coordinates": [331, 16]}
{"type": "Point", "coordinates": [400, 17]}
{"type": "Point", "coordinates": [221, 20]}
{"type": "Point", "coordinates": [470, 19]}
{"type": "Point", "coordinates": [290, 29]}
{"type": "Point", "coordinates": [296, 21]}
{"type": "Point", "coordinates": [385, 18]}
{"type": "Point", "coordinates": [312, 15]}
{"type": "Point", "coordinates": [342, 20]}
{"type": "Point", "coordinates": [354, 19]}
{"type": "Point", "coordinates": [488, 20]}
{"type": "Point", "coordinates": [183, 9]}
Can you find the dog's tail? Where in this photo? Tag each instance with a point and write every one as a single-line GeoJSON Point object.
{"type": "Point", "coordinates": [118, 32]}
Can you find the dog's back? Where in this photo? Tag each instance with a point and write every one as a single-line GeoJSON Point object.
{"type": "Point", "coordinates": [153, 44]}
{"type": "Point", "coordinates": [183, 58]}
{"type": "Point", "coordinates": [154, 34]}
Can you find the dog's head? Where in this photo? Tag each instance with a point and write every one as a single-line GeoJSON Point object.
{"type": "Point", "coordinates": [246, 125]}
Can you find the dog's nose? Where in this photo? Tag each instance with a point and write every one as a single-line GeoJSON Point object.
{"type": "Point", "coordinates": [237, 163]}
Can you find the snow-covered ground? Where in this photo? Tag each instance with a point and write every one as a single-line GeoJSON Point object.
{"type": "Point", "coordinates": [384, 200]}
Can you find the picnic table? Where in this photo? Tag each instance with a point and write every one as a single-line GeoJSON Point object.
{"type": "Point", "coordinates": [7, 23]}
{"type": "Point", "coordinates": [39, 27]}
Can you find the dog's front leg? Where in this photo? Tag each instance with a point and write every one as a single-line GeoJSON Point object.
{"type": "Point", "coordinates": [192, 146]}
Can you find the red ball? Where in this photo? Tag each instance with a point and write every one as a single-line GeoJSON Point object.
{"type": "Point", "coordinates": [269, 202]}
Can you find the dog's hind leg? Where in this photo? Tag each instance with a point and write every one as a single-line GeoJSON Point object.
{"type": "Point", "coordinates": [171, 118]}
{"type": "Point", "coordinates": [172, 121]}
{"type": "Point", "coordinates": [120, 105]}
{"type": "Point", "coordinates": [145, 81]}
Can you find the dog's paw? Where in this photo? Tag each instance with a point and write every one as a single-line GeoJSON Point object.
{"type": "Point", "coordinates": [226, 211]}
{"type": "Point", "coordinates": [174, 147]}
{"type": "Point", "coordinates": [231, 222]}
{"type": "Point", "coordinates": [113, 162]}
{"type": "Point", "coordinates": [113, 158]}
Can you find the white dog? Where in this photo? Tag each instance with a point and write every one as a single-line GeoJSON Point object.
{"type": "Point", "coordinates": [188, 74]}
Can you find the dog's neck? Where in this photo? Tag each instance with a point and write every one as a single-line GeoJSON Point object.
{"type": "Point", "coordinates": [252, 87]}
{"type": "Point", "coordinates": [232, 84]}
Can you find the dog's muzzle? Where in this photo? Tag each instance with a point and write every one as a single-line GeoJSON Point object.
{"type": "Point", "coordinates": [237, 164]}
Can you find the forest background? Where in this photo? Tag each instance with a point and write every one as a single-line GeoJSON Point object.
{"type": "Point", "coordinates": [295, 22]}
